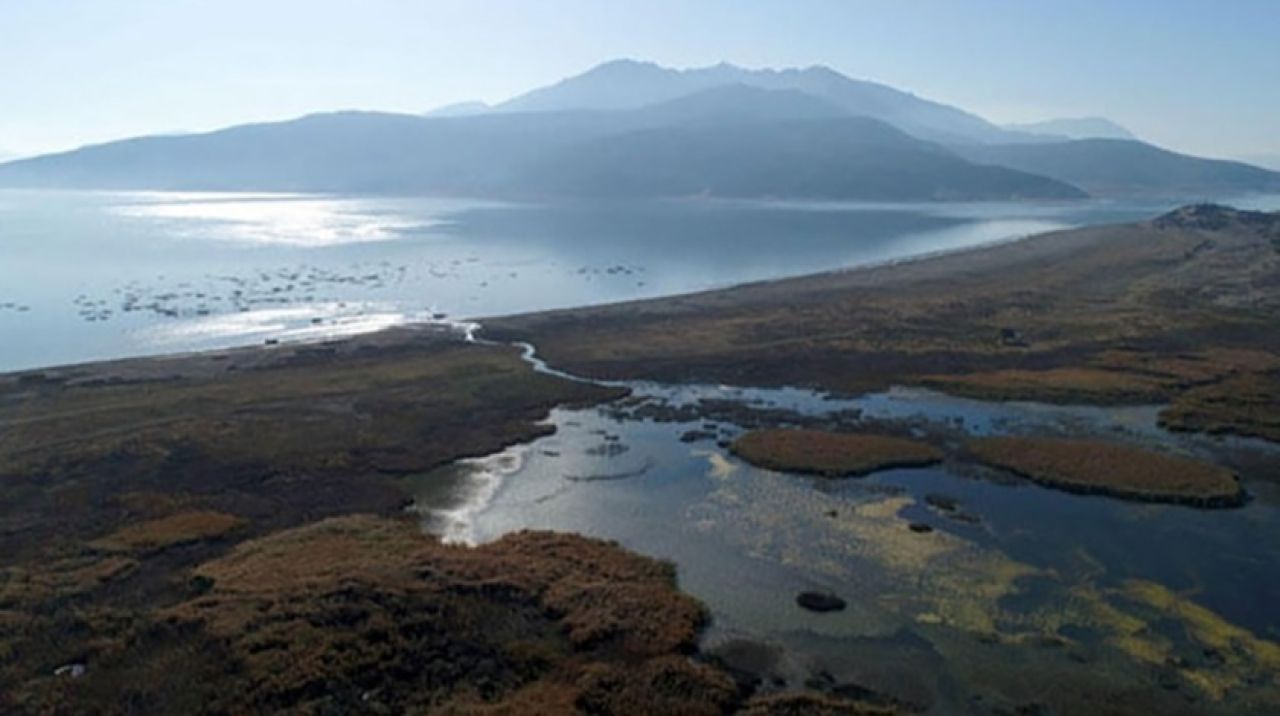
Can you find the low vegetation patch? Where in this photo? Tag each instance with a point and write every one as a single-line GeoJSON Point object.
{"type": "Point", "coordinates": [831, 454]}
{"type": "Point", "coordinates": [1092, 466]}
{"type": "Point", "coordinates": [1057, 385]}
{"type": "Point", "coordinates": [386, 617]}
{"type": "Point", "coordinates": [158, 534]}
{"type": "Point", "coordinates": [1247, 405]}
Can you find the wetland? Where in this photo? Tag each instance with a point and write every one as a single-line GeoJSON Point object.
{"type": "Point", "coordinates": [635, 511]}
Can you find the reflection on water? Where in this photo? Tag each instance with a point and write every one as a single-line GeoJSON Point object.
{"type": "Point", "coordinates": [1017, 586]}
{"type": "Point", "coordinates": [87, 275]}
{"type": "Point", "coordinates": [272, 219]}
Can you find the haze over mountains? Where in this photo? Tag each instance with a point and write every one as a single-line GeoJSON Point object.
{"type": "Point", "coordinates": [631, 129]}
{"type": "Point", "coordinates": [1074, 128]}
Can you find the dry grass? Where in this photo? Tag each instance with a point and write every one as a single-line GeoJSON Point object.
{"type": "Point", "coordinates": [1247, 405]}
{"type": "Point", "coordinates": [177, 529]}
{"type": "Point", "coordinates": [370, 604]}
{"type": "Point", "coordinates": [831, 454]}
{"type": "Point", "coordinates": [1093, 466]}
{"type": "Point", "coordinates": [31, 586]}
{"type": "Point", "coordinates": [106, 469]}
{"type": "Point", "coordinates": [804, 704]}
{"type": "Point", "coordinates": [1056, 385]}
{"type": "Point", "coordinates": [396, 410]}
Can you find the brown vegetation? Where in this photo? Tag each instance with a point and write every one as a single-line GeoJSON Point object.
{"type": "Point", "coordinates": [1093, 466]}
{"type": "Point", "coordinates": [366, 613]}
{"type": "Point", "coordinates": [1056, 385]}
{"type": "Point", "coordinates": [831, 454]}
{"type": "Point", "coordinates": [814, 705]}
{"type": "Point", "coordinates": [175, 529]}
{"type": "Point", "coordinates": [1246, 405]}
{"type": "Point", "coordinates": [332, 611]}
{"type": "Point", "coordinates": [274, 437]}
{"type": "Point", "coordinates": [117, 479]}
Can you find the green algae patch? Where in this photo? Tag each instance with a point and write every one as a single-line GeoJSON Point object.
{"type": "Point", "coordinates": [831, 454]}
{"type": "Point", "coordinates": [1093, 466]}
{"type": "Point", "coordinates": [1234, 657]}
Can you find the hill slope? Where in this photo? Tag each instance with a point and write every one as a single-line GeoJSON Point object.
{"type": "Point", "coordinates": [1116, 167]}
{"type": "Point", "coordinates": [841, 158]}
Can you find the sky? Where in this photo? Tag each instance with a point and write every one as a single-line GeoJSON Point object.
{"type": "Point", "coordinates": [1201, 76]}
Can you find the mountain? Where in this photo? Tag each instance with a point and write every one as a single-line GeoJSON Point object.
{"type": "Point", "coordinates": [342, 151]}
{"type": "Point", "coordinates": [459, 109]}
{"type": "Point", "coordinates": [731, 140]}
{"type": "Point", "coordinates": [627, 128]}
{"type": "Point", "coordinates": [1118, 168]}
{"type": "Point", "coordinates": [628, 84]}
{"type": "Point", "coordinates": [733, 104]}
{"type": "Point", "coordinates": [1075, 128]}
{"type": "Point", "coordinates": [1267, 161]}
{"type": "Point", "coordinates": [839, 158]}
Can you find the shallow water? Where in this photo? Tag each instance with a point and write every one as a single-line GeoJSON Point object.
{"type": "Point", "coordinates": [92, 275]}
{"type": "Point", "coordinates": [1018, 572]}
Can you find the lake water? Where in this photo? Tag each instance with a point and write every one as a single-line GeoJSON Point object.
{"type": "Point", "coordinates": [93, 275]}
{"type": "Point", "coordinates": [1019, 595]}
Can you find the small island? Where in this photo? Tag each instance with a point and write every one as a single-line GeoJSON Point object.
{"type": "Point", "coordinates": [828, 454]}
{"type": "Point", "coordinates": [1098, 467]}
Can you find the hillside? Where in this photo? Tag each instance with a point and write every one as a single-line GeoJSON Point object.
{"type": "Point", "coordinates": [1117, 167]}
{"type": "Point", "coordinates": [844, 158]}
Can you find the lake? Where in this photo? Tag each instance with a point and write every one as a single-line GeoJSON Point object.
{"type": "Point", "coordinates": [95, 275]}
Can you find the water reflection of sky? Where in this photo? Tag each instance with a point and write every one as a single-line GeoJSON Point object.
{"type": "Point", "coordinates": [86, 275]}
{"type": "Point", "coordinates": [746, 540]}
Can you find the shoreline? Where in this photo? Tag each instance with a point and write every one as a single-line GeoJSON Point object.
{"type": "Point", "coordinates": [731, 285]}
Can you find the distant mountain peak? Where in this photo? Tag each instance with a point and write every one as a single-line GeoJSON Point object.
{"type": "Point", "coordinates": [629, 84]}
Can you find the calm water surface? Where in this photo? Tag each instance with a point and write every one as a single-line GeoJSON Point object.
{"type": "Point", "coordinates": [1018, 586]}
{"type": "Point", "coordinates": [91, 275]}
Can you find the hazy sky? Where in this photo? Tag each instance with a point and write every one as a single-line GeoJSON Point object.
{"type": "Point", "coordinates": [1200, 76]}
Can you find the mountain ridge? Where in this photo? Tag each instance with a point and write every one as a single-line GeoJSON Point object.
{"type": "Point", "coordinates": [627, 84]}
{"type": "Point", "coordinates": [509, 149]}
